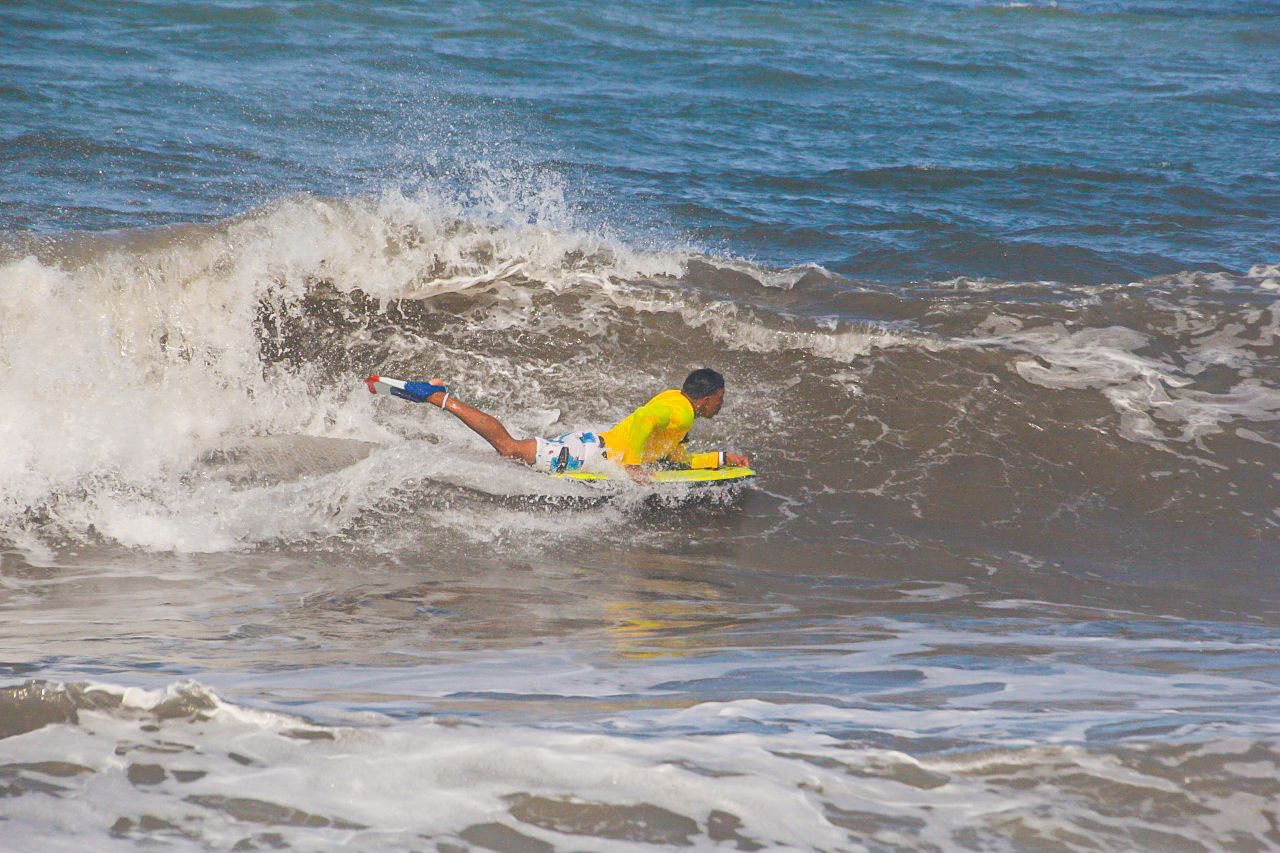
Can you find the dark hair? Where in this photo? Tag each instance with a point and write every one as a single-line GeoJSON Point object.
{"type": "Point", "coordinates": [702, 383]}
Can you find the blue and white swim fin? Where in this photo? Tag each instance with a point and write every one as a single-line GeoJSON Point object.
{"type": "Point", "coordinates": [414, 392]}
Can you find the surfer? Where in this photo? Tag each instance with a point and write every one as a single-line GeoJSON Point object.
{"type": "Point", "coordinates": [653, 433]}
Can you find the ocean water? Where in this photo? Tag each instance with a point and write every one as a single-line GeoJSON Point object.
{"type": "Point", "coordinates": [994, 289]}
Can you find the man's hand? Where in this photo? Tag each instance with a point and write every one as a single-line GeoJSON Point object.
{"type": "Point", "coordinates": [737, 460]}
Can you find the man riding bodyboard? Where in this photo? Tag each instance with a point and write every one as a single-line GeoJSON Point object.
{"type": "Point", "coordinates": [653, 433]}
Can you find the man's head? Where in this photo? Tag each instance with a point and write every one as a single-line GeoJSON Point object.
{"type": "Point", "coordinates": [705, 390]}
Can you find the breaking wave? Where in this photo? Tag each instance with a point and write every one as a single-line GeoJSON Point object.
{"type": "Point", "coordinates": [197, 388]}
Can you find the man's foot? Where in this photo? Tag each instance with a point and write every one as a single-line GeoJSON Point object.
{"type": "Point", "coordinates": [416, 392]}
{"type": "Point", "coordinates": [440, 399]}
{"type": "Point", "coordinates": [423, 392]}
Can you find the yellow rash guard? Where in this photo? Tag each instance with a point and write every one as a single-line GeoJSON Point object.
{"type": "Point", "coordinates": [654, 431]}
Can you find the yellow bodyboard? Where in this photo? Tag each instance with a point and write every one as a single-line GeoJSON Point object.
{"type": "Point", "coordinates": [688, 476]}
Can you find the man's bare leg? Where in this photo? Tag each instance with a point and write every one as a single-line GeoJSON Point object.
{"type": "Point", "coordinates": [487, 427]}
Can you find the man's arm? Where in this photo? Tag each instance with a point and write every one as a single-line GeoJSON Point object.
{"type": "Point", "coordinates": [711, 459]}
{"type": "Point", "coordinates": [679, 454]}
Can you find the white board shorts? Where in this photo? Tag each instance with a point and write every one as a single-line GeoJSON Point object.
{"type": "Point", "coordinates": [572, 451]}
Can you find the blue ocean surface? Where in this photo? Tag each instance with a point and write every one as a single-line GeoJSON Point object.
{"type": "Point", "coordinates": [1083, 141]}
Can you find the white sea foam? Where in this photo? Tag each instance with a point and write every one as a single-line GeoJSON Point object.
{"type": "Point", "coordinates": [796, 775]}
{"type": "Point", "coordinates": [1155, 399]}
{"type": "Point", "coordinates": [738, 330]}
